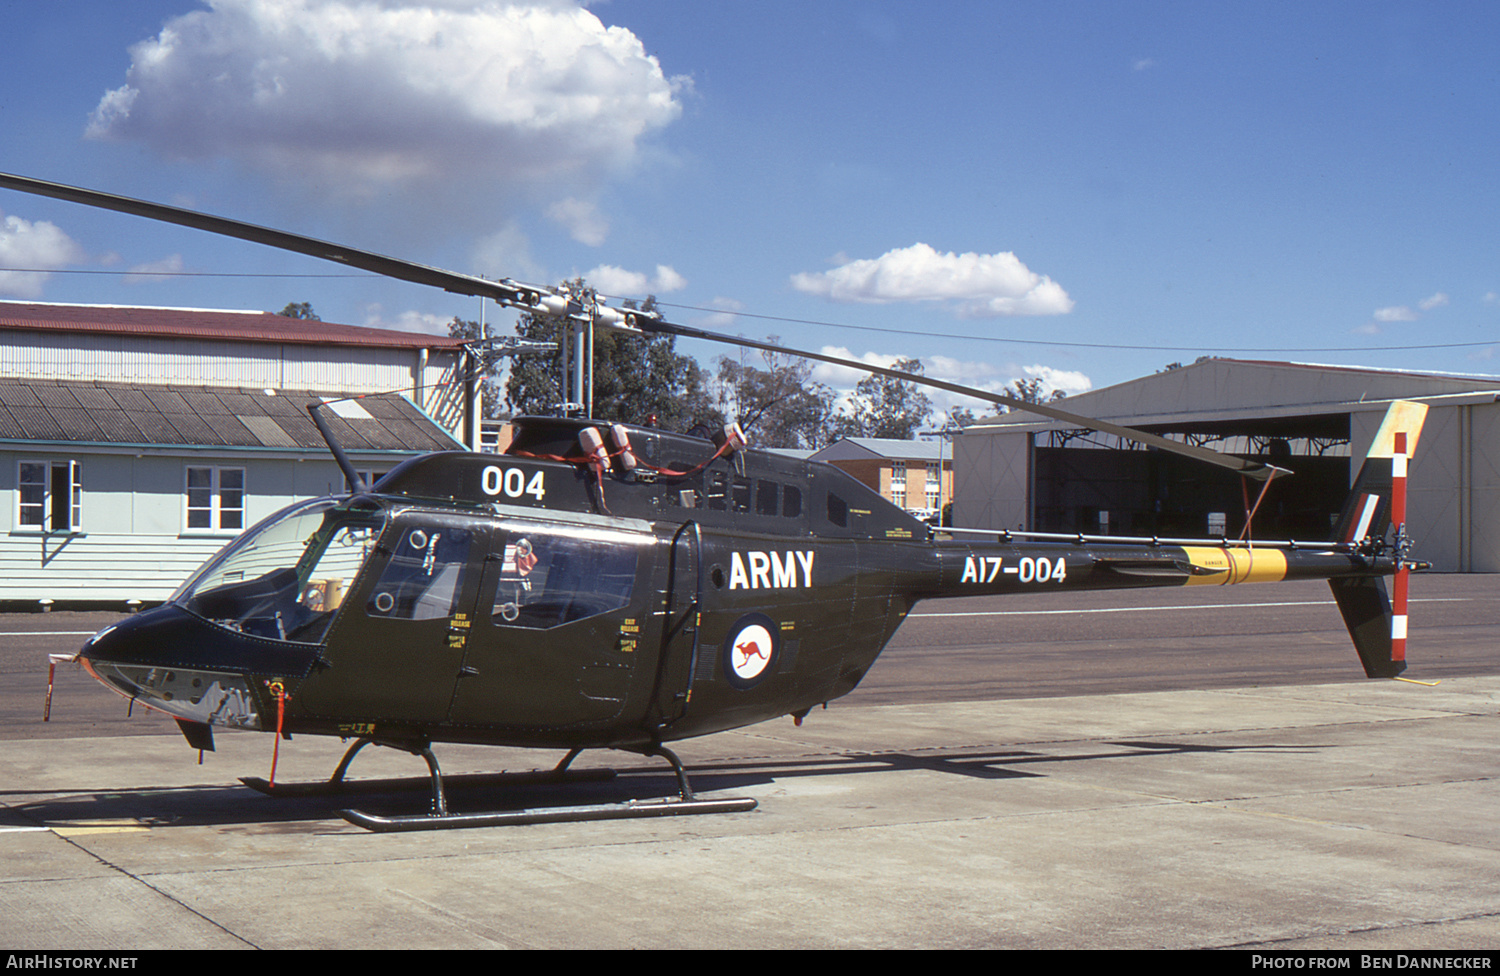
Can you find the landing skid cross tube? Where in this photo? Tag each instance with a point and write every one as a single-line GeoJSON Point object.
{"type": "Point", "coordinates": [336, 784]}
{"type": "Point", "coordinates": [440, 819]}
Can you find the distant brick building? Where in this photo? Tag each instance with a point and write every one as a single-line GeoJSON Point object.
{"type": "Point", "coordinates": [914, 475]}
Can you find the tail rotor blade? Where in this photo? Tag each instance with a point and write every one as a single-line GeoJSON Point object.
{"type": "Point", "coordinates": [1403, 546]}
{"type": "Point", "coordinates": [1398, 614]}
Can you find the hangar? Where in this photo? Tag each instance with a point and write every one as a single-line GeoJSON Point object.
{"type": "Point", "coordinates": [1019, 471]}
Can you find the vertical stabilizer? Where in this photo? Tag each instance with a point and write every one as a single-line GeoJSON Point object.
{"type": "Point", "coordinates": [1377, 621]}
{"type": "Point", "coordinates": [1367, 513]}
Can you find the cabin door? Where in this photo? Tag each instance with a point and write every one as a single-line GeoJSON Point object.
{"type": "Point", "coordinates": [396, 648]}
{"type": "Point", "coordinates": [556, 635]}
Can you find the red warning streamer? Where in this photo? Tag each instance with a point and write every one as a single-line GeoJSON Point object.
{"type": "Point", "coordinates": [279, 690]}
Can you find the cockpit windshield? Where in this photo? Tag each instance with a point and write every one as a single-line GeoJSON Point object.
{"type": "Point", "coordinates": [286, 578]}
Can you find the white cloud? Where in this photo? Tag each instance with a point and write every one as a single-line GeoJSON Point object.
{"type": "Point", "coordinates": [846, 377]}
{"type": "Point", "coordinates": [997, 379]}
{"type": "Point", "coordinates": [506, 253]}
{"type": "Point", "coordinates": [979, 375]}
{"type": "Point", "coordinates": [353, 96]}
{"type": "Point", "coordinates": [981, 285]}
{"type": "Point", "coordinates": [28, 245]}
{"type": "Point", "coordinates": [154, 271]}
{"type": "Point", "coordinates": [1401, 313]}
{"type": "Point", "coordinates": [1069, 382]}
{"type": "Point", "coordinates": [967, 372]}
{"type": "Point", "coordinates": [582, 219]}
{"type": "Point", "coordinates": [409, 321]}
{"type": "Point", "coordinates": [721, 320]}
{"type": "Point", "coordinates": [1143, 64]}
{"type": "Point", "coordinates": [619, 283]}
{"type": "Point", "coordinates": [1395, 313]}
{"type": "Point", "coordinates": [669, 280]}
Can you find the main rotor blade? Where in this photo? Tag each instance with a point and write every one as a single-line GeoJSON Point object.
{"type": "Point", "coordinates": [379, 264]}
{"type": "Point", "coordinates": [516, 297]}
{"type": "Point", "coordinates": [1252, 469]}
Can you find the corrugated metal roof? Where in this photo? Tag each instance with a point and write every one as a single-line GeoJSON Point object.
{"type": "Point", "coordinates": [178, 323]}
{"type": "Point", "coordinates": [858, 448]}
{"type": "Point", "coordinates": [60, 411]}
{"type": "Point", "coordinates": [1196, 396]}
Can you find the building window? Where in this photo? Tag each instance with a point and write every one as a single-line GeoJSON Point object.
{"type": "Point", "coordinates": [50, 495]}
{"type": "Point", "coordinates": [368, 475]}
{"type": "Point", "coordinates": [216, 498]}
{"type": "Point", "coordinates": [898, 483]}
{"type": "Point", "coordinates": [934, 484]}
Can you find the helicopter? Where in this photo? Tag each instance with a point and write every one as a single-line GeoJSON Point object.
{"type": "Point", "coordinates": [616, 586]}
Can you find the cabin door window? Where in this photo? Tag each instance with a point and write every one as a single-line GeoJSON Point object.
{"type": "Point", "coordinates": [423, 579]}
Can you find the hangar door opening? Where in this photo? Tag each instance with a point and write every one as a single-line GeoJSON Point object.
{"type": "Point", "coordinates": [1084, 481]}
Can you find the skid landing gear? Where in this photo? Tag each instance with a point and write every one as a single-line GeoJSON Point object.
{"type": "Point", "coordinates": [439, 818]}
{"type": "Point", "coordinates": [337, 784]}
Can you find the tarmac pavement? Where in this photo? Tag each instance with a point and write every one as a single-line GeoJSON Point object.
{"type": "Point", "coordinates": [1347, 816]}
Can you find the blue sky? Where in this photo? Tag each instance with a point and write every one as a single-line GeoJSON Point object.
{"type": "Point", "coordinates": [1079, 192]}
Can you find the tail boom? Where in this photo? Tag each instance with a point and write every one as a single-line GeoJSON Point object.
{"type": "Point", "coordinates": [1355, 562]}
{"type": "Point", "coordinates": [998, 568]}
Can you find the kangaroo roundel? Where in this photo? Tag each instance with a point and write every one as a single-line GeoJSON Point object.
{"type": "Point", "coordinates": [749, 650]}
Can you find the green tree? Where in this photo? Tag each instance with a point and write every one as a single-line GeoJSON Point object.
{"type": "Point", "coordinates": [1031, 391]}
{"type": "Point", "coordinates": [884, 406]}
{"type": "Point", "coordinates": [534, 387]}
{"type": "Point", "coordinates": [779, 406]}
{"type": "Point", "coordinates": [962, 417]}
{"type": "Point", "coordinates": [299, 310]}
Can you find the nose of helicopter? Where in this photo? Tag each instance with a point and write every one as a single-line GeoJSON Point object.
{"type": "Point", "coordinates": [180, 664]}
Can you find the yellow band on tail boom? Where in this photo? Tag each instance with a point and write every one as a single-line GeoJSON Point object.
{"type": "Point", "coordinates": [1227, 566]}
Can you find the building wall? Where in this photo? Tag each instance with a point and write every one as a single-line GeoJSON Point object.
{"type": "Point", "coordinates": [874, 473]}
{"type": "Point", "coordinates": [133, 541]}
{"type": "Point", "coordinates": [1480, 443]}
{"type": "Point", "coordinates": [992, 481]}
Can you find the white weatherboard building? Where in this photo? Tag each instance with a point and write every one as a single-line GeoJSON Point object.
{"type": "Point", "coordinates": [1020, 471]}
{"type": "Point", "coordinates": [134, 442]}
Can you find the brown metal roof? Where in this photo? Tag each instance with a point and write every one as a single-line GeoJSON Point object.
{"type": "Point", "coordinates": [61, 411]}
{"type": "Point", "coordinates": [179, 323]}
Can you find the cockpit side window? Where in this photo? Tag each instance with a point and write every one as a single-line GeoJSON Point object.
{"type": "Point", "coordinates": [422, 580]}
{"type": "Point", "coordinates": [548, 579]}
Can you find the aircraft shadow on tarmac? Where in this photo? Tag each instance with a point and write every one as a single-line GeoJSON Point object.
{"type": "Point", "coordinates": [238, 805]}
